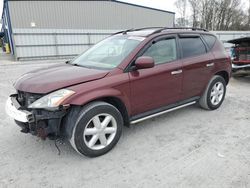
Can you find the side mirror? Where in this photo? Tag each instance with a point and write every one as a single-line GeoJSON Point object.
{"type": "Point", "coordinates": [144, 62]}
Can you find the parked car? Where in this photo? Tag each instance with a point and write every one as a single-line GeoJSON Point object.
{"type": "Point", "coordinates": [241, 56]}
{"type": "Point", "coordinates": [128, 77]}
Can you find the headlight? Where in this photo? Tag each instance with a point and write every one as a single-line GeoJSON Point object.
{"type": "Point", "coordinates": [52, 100]}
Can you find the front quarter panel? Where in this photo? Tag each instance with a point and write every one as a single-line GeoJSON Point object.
{"type": "Point", "coordinates": [116, 85]}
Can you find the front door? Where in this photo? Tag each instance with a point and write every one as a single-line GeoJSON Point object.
{"type": "Point", "coordinates": [159, 86]}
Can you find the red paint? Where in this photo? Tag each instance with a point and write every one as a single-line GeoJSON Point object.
{"type": "Point", "coordinates": [49, 79]}
{"type": "Point", "coordinates": [140, 90]}
{"type": "Point", "coordinates": [144, 62]}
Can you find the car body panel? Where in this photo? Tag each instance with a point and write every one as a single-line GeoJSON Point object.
{"type": "Point", "coordinates": [142, 92]}
{"type": "Point", "coordinates": [221, 59]}
{"type": "Point", "coordinates": [195, 74]}
{"type": "Point", "coordinates": [149, 87]}
{"type": "Point", "coordinates": [105, 87]}
{"type": "Point", "coordinates": [50, 79]}
{"type": "Point", "coordinates": [93, 84]}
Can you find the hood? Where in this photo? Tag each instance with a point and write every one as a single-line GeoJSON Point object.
{"type": "Point", "coordinates": [49, 79]}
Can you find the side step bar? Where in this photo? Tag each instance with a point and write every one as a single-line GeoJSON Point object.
{"type": "Point", "coordinates": [162, 112]}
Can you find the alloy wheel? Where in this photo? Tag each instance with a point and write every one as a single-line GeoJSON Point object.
{"type": "Point", "coordinates": [217, 93]}
{"type": "Point", "coordinates": [100, 131]}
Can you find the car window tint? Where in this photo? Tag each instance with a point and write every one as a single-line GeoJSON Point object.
{"type": "Point", "coordinates": [162, 51]}
{"type": "Point", "coordinates": [192, 47]}
{"type": "Point", "coordinates": [210, 40]}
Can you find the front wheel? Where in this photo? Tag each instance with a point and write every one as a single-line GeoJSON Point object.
{"type": "Point", "coordinates": [97, 129]}
{"type": "Point", "coordinates": [214, 93]}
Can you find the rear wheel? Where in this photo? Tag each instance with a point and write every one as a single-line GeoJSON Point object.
{"type": "Point", "coordinates": [97, 129]}
{"type": "Point", "coordinates": [214, 93]}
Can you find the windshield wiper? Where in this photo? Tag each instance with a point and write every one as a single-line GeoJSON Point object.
{"type": "Point", "coordinates": [78, 65]}
{"type": "Point", "coordinates": [68, 62]}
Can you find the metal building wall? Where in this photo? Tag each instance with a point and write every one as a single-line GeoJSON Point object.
{"type": "Point", "coordinates": [55, 43]}
{"type": "Point", "coordinates": [66, 28]}
{"type": "Point", "coordinates": [85, 15]}
{"type": "Point", "coordinates": [224, 36]}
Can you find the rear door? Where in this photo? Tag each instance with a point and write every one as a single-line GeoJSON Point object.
{"type": "Point", "coordinates": [197, 65]}
{"type": "Point", "coordinates": [159, 86]}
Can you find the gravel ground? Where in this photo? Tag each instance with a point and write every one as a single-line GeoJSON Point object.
{"type": "Point", "coordinates": [190, 147]}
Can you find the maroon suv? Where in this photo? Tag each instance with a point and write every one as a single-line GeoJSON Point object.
{"type": "Point", "coordinates": [129, 77]}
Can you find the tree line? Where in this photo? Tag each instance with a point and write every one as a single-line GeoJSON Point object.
{"type": "Point", "coordinates": [213, 14]}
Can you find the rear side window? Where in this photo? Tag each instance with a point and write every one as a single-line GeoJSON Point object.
{"type": "Point", "coordinates": [210, 40]}
{"type": "Point", "coordinates": [192, 47]}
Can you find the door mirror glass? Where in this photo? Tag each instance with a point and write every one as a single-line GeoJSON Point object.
{"type": "Point", "coordinates": [144, 62]}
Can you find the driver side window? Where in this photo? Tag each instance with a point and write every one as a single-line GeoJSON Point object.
{"type": "Point", "coordinates": [162, 51]}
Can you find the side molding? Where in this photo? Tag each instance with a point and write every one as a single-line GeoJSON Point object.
{"type": "Point", "coordinates": [161, 112]}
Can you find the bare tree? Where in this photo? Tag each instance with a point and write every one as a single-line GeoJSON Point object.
{"type": "Point", "coordinates": [248, 21]}
{"type": "Point", "coordinates": [195, 7]}
{"type": "Point", "coordinates": [181, 6]}
{"type": "Point", "coordinates": [217, 14]}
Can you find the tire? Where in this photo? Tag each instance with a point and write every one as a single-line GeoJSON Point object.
{"type": "Point", "coordinates": [217, 88]}
{"type": "Point", "coordinates": [97, 129]}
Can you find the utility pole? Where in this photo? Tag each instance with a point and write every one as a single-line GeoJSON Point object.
{"type": "Point", "coordinates": [248, 27]}
{"type": "Point", "coordinates": [184, 12]}
{"type": "Point", "coordinates": [213, 18]}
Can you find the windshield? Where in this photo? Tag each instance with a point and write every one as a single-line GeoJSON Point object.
{"type": "Point", "coordinates": [108, 53]}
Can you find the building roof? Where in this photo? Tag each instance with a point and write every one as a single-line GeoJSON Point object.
{"type": "Point", "coordinates": [239, 40]}
{"type": "Point", "coordinates": [141, 6]}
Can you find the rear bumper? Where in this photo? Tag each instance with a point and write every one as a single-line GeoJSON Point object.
{"type": "Point", "coordinates": [236, 67]}
{"type": "Point", "coordinates": [38, 122]}
{"type": "Point", "coordinates": [240, 68]}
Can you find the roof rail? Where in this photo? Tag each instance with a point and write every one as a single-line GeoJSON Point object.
{"type": "Point", "coordinates": [123, 32]}
{"type": "Point", "coordinates": [139, 29]}
{"type": "Point", "coordinates": [191, 28]}
{"type": "Point", "coordinates": [188, 28]}
{"type": "Point", "coordinates": [160, 29]}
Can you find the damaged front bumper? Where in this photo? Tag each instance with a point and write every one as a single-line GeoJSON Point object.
{"type": "Point", "coordinates": [40, 122]}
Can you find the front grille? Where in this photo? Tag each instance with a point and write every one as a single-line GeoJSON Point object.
{"type": "Point", "coordinates": [25, 99]}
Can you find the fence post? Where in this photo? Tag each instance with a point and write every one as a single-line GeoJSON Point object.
{"type": "Point", "coordinates": [88, 35]}
{"type": "Point", "coordinates": [56, 44]}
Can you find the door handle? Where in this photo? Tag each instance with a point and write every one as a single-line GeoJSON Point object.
{"type": "Point", "coordinates": [210, 64]}
{"type": "Point", "coordinates": [176, 72]}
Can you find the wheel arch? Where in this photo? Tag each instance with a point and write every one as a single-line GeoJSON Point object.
{"type": "Point", "coordinates": [223, 74]}
{"type": "Point", "coordinates": [119, 104]}
{"type": "Point", "coordinates": [68, 121]}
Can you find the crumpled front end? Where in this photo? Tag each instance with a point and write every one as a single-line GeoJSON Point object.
{"type": "Point", "coordinates": [40, 122]}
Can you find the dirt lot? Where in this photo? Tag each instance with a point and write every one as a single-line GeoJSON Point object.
{"type": "Point", "coordinates": [190, 147]}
